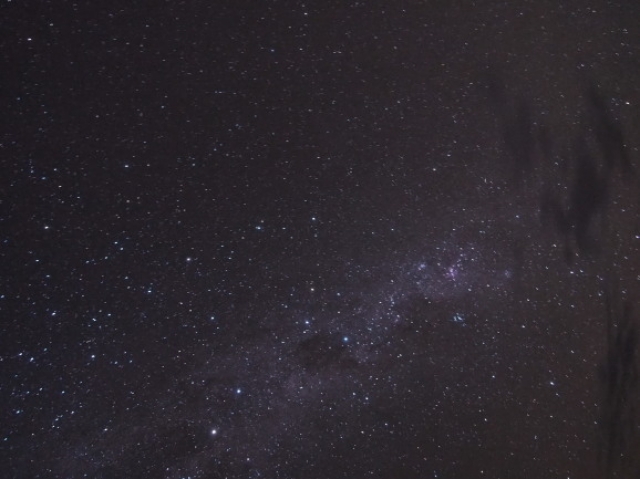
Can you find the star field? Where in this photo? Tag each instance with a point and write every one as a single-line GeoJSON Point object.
{"type": "Point", "coordinates": [349, 239]}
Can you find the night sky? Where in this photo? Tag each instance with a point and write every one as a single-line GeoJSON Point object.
{"type": "Point", "coordinates": [320, 240]}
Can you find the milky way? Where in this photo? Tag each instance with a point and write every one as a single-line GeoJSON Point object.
{"type": "Point", "coordinates": [326, 359]}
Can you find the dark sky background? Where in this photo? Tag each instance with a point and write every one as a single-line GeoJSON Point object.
{"type": "Point", "coordinates": [338, 239]}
